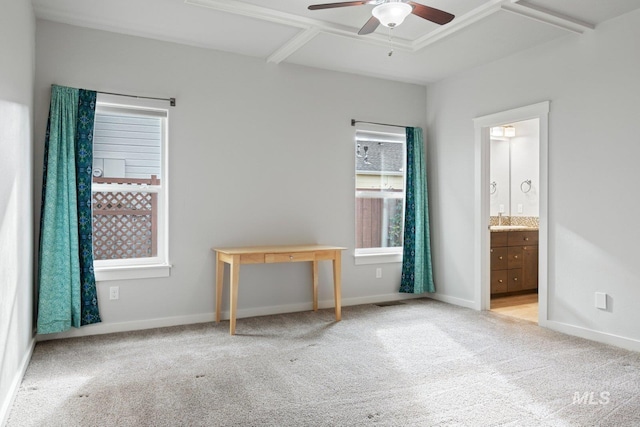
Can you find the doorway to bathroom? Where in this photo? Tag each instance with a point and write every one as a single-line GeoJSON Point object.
{"type": "Point", "coordinates": [514, 158]}
{"type": "Point", "coordinates": [511, 212]}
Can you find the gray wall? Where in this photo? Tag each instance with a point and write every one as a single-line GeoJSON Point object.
{"type": "Point", "coordinates": [259, 154]}
{"type": "Point", "coordinates": [17, 54]}
{"type": "Point", "coordinates": [592, 83]}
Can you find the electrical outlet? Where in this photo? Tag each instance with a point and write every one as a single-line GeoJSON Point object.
{"type": "Point", "coordinates": [114, 292]}
{"type": "Point", "coordinates": [378, 273]}
{"type": "Point", "coordinates": [519, 207]}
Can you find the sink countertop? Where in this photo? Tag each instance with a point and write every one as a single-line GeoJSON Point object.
{"type": "Point", "coordinates": [501, 228]}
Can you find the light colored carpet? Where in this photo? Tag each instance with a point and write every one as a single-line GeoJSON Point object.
{"type": "Point", "coordinates": [421, 363]}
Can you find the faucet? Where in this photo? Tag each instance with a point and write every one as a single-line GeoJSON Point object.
{"type": "Point", "coordinates": [499, 218]}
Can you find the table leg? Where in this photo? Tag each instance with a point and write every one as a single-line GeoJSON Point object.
{"type": "Point", "coordinates": [337, 274]}
{"type": "Point", "coordinates": [233, 292]}
{"type": "Point", "coordinates": [314, 268]}
{"type": "Point", "coordinates": [219, 284]}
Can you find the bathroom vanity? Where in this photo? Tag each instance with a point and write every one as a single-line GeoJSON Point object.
{"type": "Point", "coordinates": [514, 260]}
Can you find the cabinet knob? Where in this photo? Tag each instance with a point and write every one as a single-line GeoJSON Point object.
{"type": "Point", "coordinates": [500, 281]}
{"type": "Point", "coordinates": [500, 258]}
{"type": "Point", "coordinates": [526, 238]}
{"type": "Point", "coordinates": [515, 256]}
{"type": "Point", "coordinates": [515, 279]}
{"type": "Point", "coordinates": [291, 257]}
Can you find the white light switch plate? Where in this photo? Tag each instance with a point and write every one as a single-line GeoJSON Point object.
{"type": "Point", "coordinates": [601, 300]}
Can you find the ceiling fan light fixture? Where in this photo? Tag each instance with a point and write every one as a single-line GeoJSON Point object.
{"type": "Point", "coordinates": [391, 14]}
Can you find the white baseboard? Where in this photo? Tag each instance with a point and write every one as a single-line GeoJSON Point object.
{"type": "Point", "coordinates": [453, 300]}
{"type": "Point", "coordinates": [375, 299]}
{"type": "Point", "coordinates": [5, 407]}
{"type": "Point", "coordinates": [590, 334]}
{"type": "Point", "coordinates": [135, 325]}
{"type": "Point", "coordinates": [107, 328]}
{"type": "Point", "coordinates": [138, 325]}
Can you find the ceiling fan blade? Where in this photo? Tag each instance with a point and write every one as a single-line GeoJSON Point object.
{"type": "Point", "coordinates": [332, 5]}
{"type": "Point", "coordinates": [370, 26]}
{"type": "Point", "coordinates": [431, 14]}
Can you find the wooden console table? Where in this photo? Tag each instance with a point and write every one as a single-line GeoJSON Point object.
{"type": "Point", "coordinates": [271, 254]}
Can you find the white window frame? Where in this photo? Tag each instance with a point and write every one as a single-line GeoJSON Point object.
{"type": "Point", "coordinates": [148, 267]}
{"type": "Point", "coordinates": [380, 255]}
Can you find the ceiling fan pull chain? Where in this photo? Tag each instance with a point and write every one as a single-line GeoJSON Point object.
{"type": "Point", "coordinates": [390, 42]}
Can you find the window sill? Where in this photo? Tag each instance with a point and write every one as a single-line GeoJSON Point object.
{"type": "Point", "coordinates": [379, 258]}
{"type": "Point", "coordinates": [128, 272]}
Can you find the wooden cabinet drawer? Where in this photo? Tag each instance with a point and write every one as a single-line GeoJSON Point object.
{"type": "Point", "coordinates": [514, 280]}
{"type": "Point", "coordinates": [498, 238]}
{"type": "Point", "coordinates": [529, 267]}
{"type": "Point", "coordinates": [514, 261]}
{"type": "Point", "coordinates": [514, 257]}
{"type": "Point", "coordinates": [498, 258]}
{"type": "Point", "coordinates": [289, 257]}
{"type": "Point", "coordinates": [516, 238]}
{"type": "Point", "coordinates": [499, 281]}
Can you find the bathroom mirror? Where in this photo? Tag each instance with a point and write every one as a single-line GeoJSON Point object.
{"type": "Point", "coordinates": [514, 171]}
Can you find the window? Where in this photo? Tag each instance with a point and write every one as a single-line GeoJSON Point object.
{"type": "Point", "coordinates": [129, 191]}
{"type": "Point", "coordinates": [380, 182]}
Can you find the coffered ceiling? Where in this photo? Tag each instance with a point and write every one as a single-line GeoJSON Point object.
{"type": "Point", "coordinates": [285, 31]}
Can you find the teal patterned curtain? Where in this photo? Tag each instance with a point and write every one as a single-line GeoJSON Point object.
{"type": "Point", "coordinates": [417, 272]}
{"type": "Point", "coordinates": [67, 288]}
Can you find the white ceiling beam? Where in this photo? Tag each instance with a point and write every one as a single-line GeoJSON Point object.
{"type": "Point", "coordinates": [313, 27]}
{"type": "Point", "coordinates": [277, 17]}
{"type": "Point", "coordinates": [253, 11]}
{"type": "Point", "coordinates": [546, 16]}
{"type": "Point", "coordinates": [289, 19]}
{"type": "Point", "coordinates": [293, 45]}
{"type": "Point", "coordinates": [458, 24]}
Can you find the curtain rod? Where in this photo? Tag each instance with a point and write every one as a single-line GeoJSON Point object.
{"type": "Point", "coordinates": [354, 121]}
{"type": "Point", "coordinates": [172, 101]}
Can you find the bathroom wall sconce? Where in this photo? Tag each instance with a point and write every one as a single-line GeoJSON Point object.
{"type": "Point", "coordinates": [508, 131]}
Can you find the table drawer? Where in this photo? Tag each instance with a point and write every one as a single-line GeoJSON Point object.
{"type": "Point", "coordinates": [251, 258]}
{"type": "Point", "coordinates": [326, 255]}
{"type": "Point", "coordinates": [289, 257]}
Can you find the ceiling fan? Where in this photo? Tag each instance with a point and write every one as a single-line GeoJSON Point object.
{"type": "Point", "coordinates": [391, 13]}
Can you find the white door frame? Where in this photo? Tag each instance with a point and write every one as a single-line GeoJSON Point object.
{"type": "Point", "coordinates": [482, 268]}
